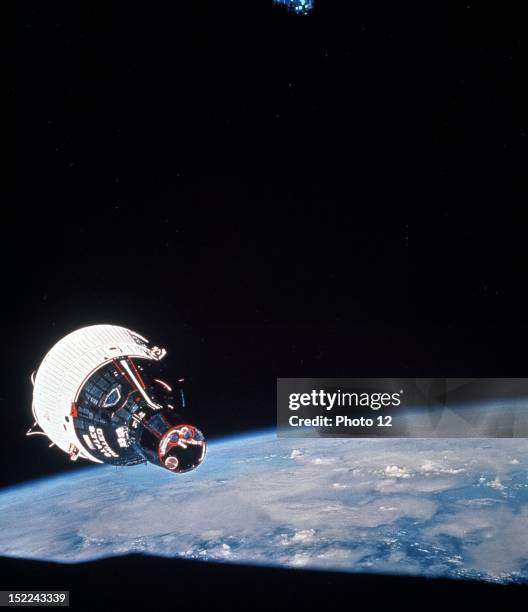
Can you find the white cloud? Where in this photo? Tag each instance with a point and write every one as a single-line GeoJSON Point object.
{"type": "Point", "coordinates": [323, 461]}
{"type": "Point", "coordinates": [394, 471]}
{"type": "Point", "coordinates": [496, 484]}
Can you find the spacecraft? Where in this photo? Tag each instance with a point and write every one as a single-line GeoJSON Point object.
{"type": "Point", "coordinates": [98, 395]}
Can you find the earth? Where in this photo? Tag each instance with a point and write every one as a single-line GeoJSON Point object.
{"type": "Point", "coordinates": [446, 508]}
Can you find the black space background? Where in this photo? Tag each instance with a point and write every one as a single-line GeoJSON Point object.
{"type": "Point", "coordinates": [267, 195]}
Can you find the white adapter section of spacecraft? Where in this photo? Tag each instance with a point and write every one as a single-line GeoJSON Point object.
{"type": "Point", "coordinates": [65, 369]}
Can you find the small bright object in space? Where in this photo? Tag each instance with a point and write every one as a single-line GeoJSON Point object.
{"type": "Point", "coordinates": [302, 7]}
{"type": "Point", "coordinates": [98, 395]}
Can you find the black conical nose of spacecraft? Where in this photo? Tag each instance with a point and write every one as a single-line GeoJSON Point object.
{"type": "Point", "coordinates": [182, 448]}
{"type": "Point", "coordinates": [169, 443]}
